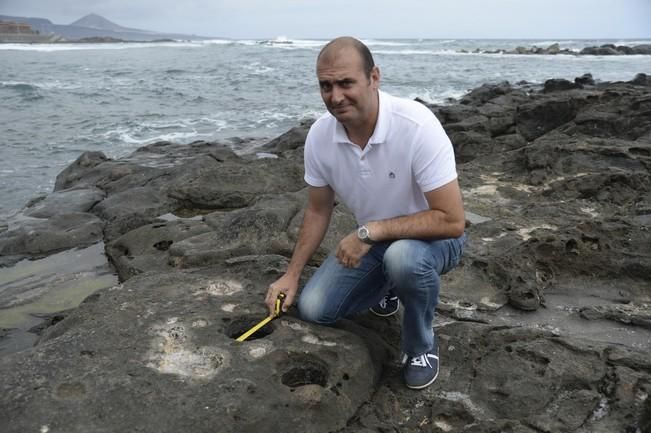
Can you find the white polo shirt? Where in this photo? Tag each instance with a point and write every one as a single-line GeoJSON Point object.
{"type": "Point", "coordinates": [408, 154]}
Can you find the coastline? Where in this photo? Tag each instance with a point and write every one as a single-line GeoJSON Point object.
{"type": "Point", "coordinates": [554, 179]}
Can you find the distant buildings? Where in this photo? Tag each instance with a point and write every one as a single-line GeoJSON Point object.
{"type": "Point", "coordinates": [13, 32]}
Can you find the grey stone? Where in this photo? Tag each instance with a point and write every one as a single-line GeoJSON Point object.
{"type": "Point", "coordinates": [39, 237]}
{"type": "Point", "coordinates": [65, 201]}
{"type": "Point", "coordinates": [542, 327]}
{"type": "Point", "coordinates": [176, 367]}
{"type": "Point", "coordinates": [145, 249]}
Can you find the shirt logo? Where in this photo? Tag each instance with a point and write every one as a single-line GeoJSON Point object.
{"type": "Point", "coordinates": [392, 175]}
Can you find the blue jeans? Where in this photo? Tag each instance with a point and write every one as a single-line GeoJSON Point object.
{"type": "Point", "coordinates": [410, 268]}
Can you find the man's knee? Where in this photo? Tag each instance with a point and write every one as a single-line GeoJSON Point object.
{"type": "Point", "coordinates": [312, 308]}
{"type": "Point", "coordinates": [405, 259]}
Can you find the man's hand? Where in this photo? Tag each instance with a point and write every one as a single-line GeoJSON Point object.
{"type": "Point", "coordinates": [350, 250]}
{"type": "Point", "coordinates": [286, 284]}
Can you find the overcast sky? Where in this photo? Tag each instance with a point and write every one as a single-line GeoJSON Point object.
{"type": "Point", "coordinates": [535, 19]}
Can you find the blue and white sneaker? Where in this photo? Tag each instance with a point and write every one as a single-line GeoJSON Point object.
{"type": "Point", "coordinates": [422, 370]}
{"type": "Point", "coordinates": [388, 306]}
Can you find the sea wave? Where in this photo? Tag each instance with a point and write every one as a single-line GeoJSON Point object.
{"type": "Point", "coordinates": [256, 68]}
{"type": "Point", "coordinates": [98, 46]}
{"type": "Point", "coordinates": [380, 42]}
{"type": "Point", "coordinates": [437, 97]}
{"type": "Point", "coordinates": [177, 130]}
{"type": "Point", "coordinates": [19, 86]}
{"type": "Point", "coordinates": [41, 85]}
{"type": "Point", "coordinates": [414, 52]}
{"type": "Point", "coordinates": [129, 138]}
{"type": "Point", "coordinates": [551, 42]}
{"type": "Point", "coordinates": [283, 42]}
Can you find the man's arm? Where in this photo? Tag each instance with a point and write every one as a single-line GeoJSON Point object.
{"type": "Point", "coordinates": [444, 219]}
{"type": "Point", "coordinates": [315, 225]}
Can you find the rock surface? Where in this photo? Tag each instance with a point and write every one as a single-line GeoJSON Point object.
{"type": "Point", "coordinates": [544, 326]}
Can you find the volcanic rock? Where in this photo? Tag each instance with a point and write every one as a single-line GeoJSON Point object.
{"type": "Point", "coordinates": [544, 325]}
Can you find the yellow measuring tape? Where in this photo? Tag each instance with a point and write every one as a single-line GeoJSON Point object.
{"type": "Point", "coordinates": [277, 312]}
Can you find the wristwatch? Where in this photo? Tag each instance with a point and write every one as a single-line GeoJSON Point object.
{"type": "Point", "coordinates": [364, 235]}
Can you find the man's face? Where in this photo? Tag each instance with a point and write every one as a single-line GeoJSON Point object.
{"type": "Point", "coordinates": [349, 95]}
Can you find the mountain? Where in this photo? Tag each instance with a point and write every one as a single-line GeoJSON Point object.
{"type": "Point", "coordinates": [98, 22]}
{"type": "Point", "coordinates": [94, 26]}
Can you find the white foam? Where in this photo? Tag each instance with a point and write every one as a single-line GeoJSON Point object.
{"type": "Point", "coordinates": [99, 46]}
{"type": "Point", "coordinates": [217, 42]}
{"type": "Point", "coordinates": [416, 52]}
{"type": "Point", "coordinates": [256, 68]}
{"type": "Point", "coordinates": [283, 42]}
{"type": "Point", "coordinates": [432, 97]}
{"type": "Point", "coordinates": [633, 43]}
{"type": "Point", "coordinates": [376, 42]}
{"type": "Point", "coordinates": [180, 131]}
{"type": "Point", "coordinates": [545, 44]}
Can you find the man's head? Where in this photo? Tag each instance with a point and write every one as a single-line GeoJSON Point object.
{"type": "Point", "coordinates": [362, 50]}
{"type": "Point", "coordinates": [349, 81]}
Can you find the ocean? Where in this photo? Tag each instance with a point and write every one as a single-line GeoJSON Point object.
{"type": "Point", "coordinates": [61, 100]}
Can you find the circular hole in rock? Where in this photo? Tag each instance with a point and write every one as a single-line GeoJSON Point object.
{"type": "Point", "coordinates": [163, 245]}
{"type": "Point", "coordinates": [305, 370]}
{"type": "Point", "coordinates": [239, 326]}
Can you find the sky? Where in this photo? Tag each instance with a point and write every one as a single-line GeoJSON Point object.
{"type": "Point", "coordinates": [469, 19]}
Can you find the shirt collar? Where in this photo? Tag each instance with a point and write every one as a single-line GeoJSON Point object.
{"type": "Point", "coordinates": [381, 126]}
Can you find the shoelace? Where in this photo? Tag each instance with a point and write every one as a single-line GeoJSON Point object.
{"type": "Point", "coordinates": [422, 360]}
{"type": "Point", "coordinates": [383, 302]}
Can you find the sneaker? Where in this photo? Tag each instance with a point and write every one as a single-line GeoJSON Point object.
{"type": "Point", "coordinates": [388, 306]}
{"type": "Point", "coordinates": [422, 370]}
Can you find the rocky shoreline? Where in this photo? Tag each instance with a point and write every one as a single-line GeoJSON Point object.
{"type": "Point", "coordinates": [553, 49]}
{"type": "Point", "coordinates": [544, 327]}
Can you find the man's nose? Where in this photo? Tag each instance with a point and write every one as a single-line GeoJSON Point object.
{"type": "Point", "coordinates": [337, 94]}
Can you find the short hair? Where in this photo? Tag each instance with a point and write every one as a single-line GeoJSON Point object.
{"type": "Point", "coordinates": [364, 53]}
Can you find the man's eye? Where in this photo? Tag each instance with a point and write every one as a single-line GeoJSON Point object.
{"type": "Point", "coordinates": [325, 87]}
{"type": "Point", "coordinates": [346, 84]}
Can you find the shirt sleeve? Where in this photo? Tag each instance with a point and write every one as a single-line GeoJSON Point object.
{"type": "Point", "coordinates": [433, 161]}
{"type": "Point", "coordinates": [313, 169]}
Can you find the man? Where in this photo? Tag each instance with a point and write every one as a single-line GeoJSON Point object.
{"type": "Point", "coordinates": [392, 164]}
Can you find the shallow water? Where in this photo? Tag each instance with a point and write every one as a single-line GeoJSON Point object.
{"type": "Point", "coordinates": [58, 282]}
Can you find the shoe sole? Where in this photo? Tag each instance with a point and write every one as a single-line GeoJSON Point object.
{"type": "Point", "coordinates": [426, 385]}
{"type": "Point", "coordinates": [433, 379]}
{"type": "Point", "coordinates": [383, 315]}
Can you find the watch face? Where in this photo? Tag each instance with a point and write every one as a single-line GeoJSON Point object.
{"type": "Point", "coordinates": [362, 233]}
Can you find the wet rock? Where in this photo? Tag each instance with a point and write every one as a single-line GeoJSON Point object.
{"type": "Point", "coordinates": [538, 118]}
{"type": "Point", "coordinates": [641, 80]}
{"type": "Point", "coordinates": [132, 208]}
{"type": "Point", "coordinates": [231, 185]}
{"type": "Point", "coordinates": [486, 92]}
{"type": "Point", "coordinates": [74, 171]}
{"type": "Point", "coordinates": [644, 49]}
{"type": "Point", "coordinates": [571, 385]}
{"type": "Point", "coordinates": [292, 139]}
{"type": "Point", "coordinates": [585, 80]}
{"type": "Point", "coordinates": [555, 49]}
{"type": "Point", "coordinates": [39, 237]}
{"type": "Point", "coordinates": [165, 154]}
{"type": "Point", "coordinates": [146, 248]}
{"type": "Point", "coordinates": [176, 366]}
{"type": "Point", "coordinates": [259, 229]}
{"type": "Point", "coordinates": [556, 84]}
{"type": "Point", "coordinates": [604, 50]}
{"type": "Point", "coordinates": [638, 315]}
{"type": "Point", "coordinates": [65, 201]}
{"type": "Point", "coordinates": [543, 326]}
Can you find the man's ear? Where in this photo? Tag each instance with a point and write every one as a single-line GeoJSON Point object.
{"type": "Point", "coordinates": [375, 77]}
